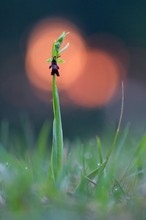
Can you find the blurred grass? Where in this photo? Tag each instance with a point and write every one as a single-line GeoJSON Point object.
{"type": "Point", "coordinates": [26, 192]}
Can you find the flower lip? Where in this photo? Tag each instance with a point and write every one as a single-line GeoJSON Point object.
{"type": "Point", "coordinates": [54, 67]}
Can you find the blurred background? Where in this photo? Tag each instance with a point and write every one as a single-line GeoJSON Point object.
{"type": "Point", "coordinates": [107, 45]}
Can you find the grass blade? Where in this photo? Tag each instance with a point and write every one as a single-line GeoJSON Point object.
{"type": "Point", "coordinates": [119, 125]}
{"type": "Point", "coordinates": [136, 157]}
{"type": "Point", "coordinates": [102, 166]}
{"type": "Point", "coordinates": [99, 150]}
{"type": "Point", "coordinates": [42, 140]}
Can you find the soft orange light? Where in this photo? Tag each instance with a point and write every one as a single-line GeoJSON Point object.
{"type": "Point", "coordinates": [98, 83]}
{"type": "Point", "coordinates": [114, 47]}
{"type": "Point", "coordinates": [39, 50]}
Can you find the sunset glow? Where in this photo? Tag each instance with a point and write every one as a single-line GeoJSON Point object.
{"type": "Point", "coordinates": [98, 82]}
{"type": "Point", "coordinates": [39, 50]}
{"type": "Point", "coordinates": [90, 75]}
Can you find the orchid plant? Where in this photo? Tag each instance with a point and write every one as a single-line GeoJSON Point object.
{"type": "Point", "coordinates": [57, 143]}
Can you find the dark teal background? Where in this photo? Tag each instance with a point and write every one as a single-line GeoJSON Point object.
{"type": "Point", "coordinates": [125, 20]}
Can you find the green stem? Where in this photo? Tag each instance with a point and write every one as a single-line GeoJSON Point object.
{"type": "Point", "coordinates": [57, 144]}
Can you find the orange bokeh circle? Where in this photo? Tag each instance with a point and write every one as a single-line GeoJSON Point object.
{"type": "Point", "coordinates": [98, 82]}
{"type": "Point", "coordinates": [115, 47]}
{"type": "Point", "coordinates": [39, 49]}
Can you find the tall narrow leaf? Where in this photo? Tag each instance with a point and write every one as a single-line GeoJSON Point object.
{"type": "Point", "coordinates": [57, 145]}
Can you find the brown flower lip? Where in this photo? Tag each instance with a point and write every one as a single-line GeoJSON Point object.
{"type": "Point", "coordinates": [54, 67]}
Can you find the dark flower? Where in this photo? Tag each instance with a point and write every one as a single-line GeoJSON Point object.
{"type": "Point", "coordinates": [54, 67]}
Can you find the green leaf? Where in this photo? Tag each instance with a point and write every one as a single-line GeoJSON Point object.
{"type": "Point", "coordinates": [57, 145]}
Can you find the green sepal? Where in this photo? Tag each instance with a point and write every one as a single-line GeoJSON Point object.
{"type": "Point", "coordinates": [54, 51]}
{"type": "Point", "coordinates": [59, 42]}
{"type": "Point", "coordinates": [56, 48]}
{"type": "Point", "coordinates": [60, 61]}
{"type": "Point", "coordinates": [62, 36]}
{"type": "Point", "coordinates": [64, 48]}
{"type": "Point", "coordinates": [49, 60]}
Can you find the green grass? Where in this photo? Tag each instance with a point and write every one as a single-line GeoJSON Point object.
{"type": "Point", "coordinates": [26, 190]}
{"type": "Point", "coordinates": [98, 179]}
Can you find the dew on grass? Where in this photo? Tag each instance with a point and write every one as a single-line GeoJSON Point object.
{"type": "Point", "coordinates": [88, 155]}
{"type": "Point", "coordinates": [26, 168]}
{"type": "Point", "coordinates": [44, 200]}
{"type": "Point", "coordinates": [7, 164]}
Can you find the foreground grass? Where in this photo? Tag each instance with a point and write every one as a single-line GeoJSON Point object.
{"type": "Point", "coordinates": [26, 191]}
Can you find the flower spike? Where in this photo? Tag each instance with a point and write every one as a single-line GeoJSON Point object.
{"type": "Point", "coordinates": [56, 51]}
